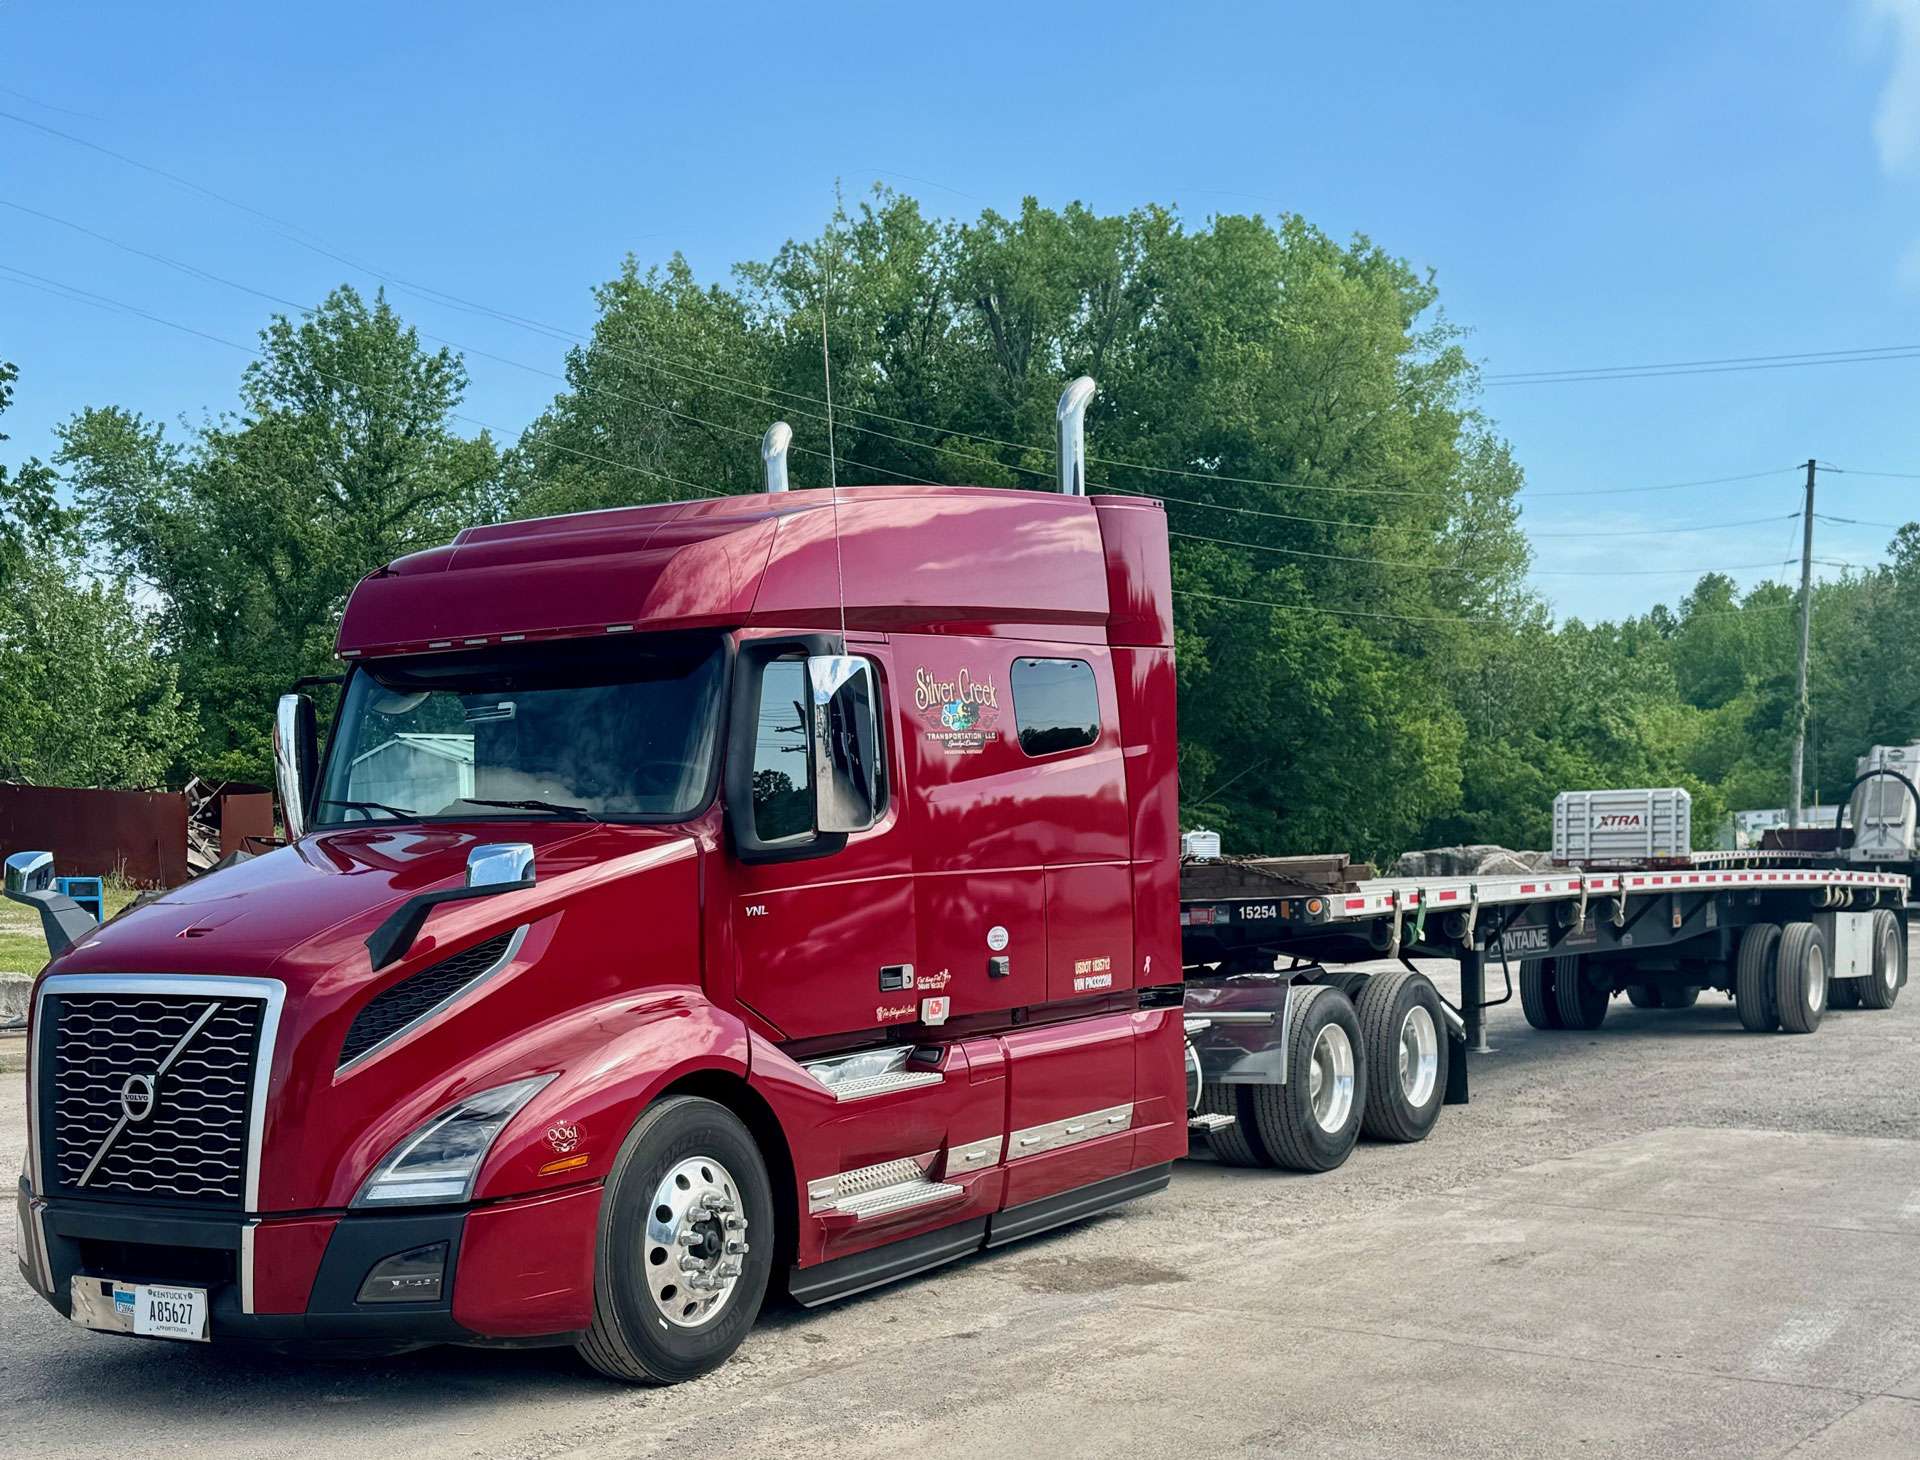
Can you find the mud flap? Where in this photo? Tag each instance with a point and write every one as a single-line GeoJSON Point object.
{"type": "Point", "coordinates": [1456, 1070]}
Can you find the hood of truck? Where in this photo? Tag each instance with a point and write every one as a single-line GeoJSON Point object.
{"type": "Point", "coordinates": [299, 912]}
{"type": "Point", "coordinates": [613, 911]}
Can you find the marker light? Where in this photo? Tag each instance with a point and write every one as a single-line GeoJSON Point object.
{"type": "Point", "coordinates": [438, 1163]}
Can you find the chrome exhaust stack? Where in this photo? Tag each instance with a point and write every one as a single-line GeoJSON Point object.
{"type": "Point", "coordinates": [1072, 417]}
{"type": "Point", "coordinates": [773, 454]}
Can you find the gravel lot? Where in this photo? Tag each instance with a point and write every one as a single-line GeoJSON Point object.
{"type": "Point", "coordinates": [1667, 1237]}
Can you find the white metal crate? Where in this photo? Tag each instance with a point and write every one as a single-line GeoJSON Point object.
{"type": "Point", "coordinates": [1598, 828]}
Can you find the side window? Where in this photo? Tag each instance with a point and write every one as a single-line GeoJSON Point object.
{"type": "Point", "coordinates": [782, 788]}
{"type": "Point", "coordinates": [1056, 704]}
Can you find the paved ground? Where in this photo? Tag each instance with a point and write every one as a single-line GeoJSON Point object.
{"type": "Point", "coordinates": [1666, 1238]}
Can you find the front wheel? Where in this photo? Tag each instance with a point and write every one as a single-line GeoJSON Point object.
{"type": "Point", "coordinates": [686, 1245]}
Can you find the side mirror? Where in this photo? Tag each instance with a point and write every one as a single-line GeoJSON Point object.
{"type": "Point", "coordinates": [296, 756]}
{"type": "Point", "coordinates": [843, 738]}
{"type": "Point", "coordinates": [29, 872]}
{"type": "Point", "coordinates": [29, 880]}
{"type": "Point", "coordinates": [500, 863]}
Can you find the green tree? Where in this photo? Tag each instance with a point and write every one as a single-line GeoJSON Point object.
{"type": "Point", "coordinates": [252, 529]}
{"type": "Point", "coordinates": [86, 696]}
{"type": "Point", "coordinates": [1245, 348]}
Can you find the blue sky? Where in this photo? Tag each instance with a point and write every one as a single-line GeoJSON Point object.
{"type": "Point", "coordinates": [1596, 186]}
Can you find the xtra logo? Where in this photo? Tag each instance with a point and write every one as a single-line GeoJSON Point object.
{"type": "Point", "coordinates": [1618, 819]}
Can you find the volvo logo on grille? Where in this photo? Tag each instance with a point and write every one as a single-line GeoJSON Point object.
{"type": "Point", "coordinates": [136, 1097]}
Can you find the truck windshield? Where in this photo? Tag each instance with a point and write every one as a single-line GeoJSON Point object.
{"type": "Point", "coordinates": [610, 733]}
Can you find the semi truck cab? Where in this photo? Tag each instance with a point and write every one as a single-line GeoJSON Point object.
{"type": "Point", "coordinates": [686, 899]}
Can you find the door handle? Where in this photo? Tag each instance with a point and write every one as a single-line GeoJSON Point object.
{"type": "Point", "coordinates": [896, 976]}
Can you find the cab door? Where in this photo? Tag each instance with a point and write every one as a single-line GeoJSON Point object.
{"type": "Point", "coordinates": [824, 926]}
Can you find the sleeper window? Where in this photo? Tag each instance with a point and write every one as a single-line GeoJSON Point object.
{"type": "Point", "coordinates": [1056, 704]}
{"type": "Point", "coordinates": [782, 794]}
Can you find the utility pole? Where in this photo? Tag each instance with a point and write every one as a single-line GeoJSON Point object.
{"type": "Point", "coordinates": [1798, 783]}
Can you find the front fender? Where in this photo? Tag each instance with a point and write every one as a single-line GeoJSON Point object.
{"type": "Point", "coordinates": [613, 1060]}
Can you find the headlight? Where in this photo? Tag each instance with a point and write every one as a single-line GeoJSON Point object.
{"type": "Point", "coordinates": [437, 1164]}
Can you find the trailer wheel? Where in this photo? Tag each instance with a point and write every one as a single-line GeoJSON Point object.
{"type": "Point", "coordinates": [1753, 978]}
{"type": "Point", "coordinates": [1536, 994]}
{"type": "Point", "coordinates": [1889, 962]}
{"type": "Point", "coordinates": [1643, 996]}
{"type": "Point", "coordinates": [1581, 1001]}
{"type": "Point", "coordinates": [685, 1247]}
{"type": "Point", "coordinates": [1403, 1036]}
{"type": "Point", "coordinates": [1680, 996]}
{"type": "Point", "coordinates": [1311, 1122]}
{"type": "Point", "coordinates": [1800, 978]}
{"type": "Point", "coordinates": [1236, 1144]}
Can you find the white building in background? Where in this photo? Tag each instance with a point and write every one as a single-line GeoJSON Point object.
{"type": "Point", "coordinates": [1742, 831]}
{"type": "Point", "coordinates": [416, 764]}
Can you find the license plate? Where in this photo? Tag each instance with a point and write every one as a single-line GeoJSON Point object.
{"type": "Point", "coordinates": [152, 1310]}
{"type": "Point", "coordinates": [169, 1312]}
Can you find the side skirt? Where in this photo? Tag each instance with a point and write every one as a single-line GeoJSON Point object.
{"type": "Point", "coordinates": [1070, 1206]}
{"type": "Point", "coordinates": [845, 1276]}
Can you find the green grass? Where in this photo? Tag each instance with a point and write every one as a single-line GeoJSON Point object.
{"type": "Point", "coordinates": [22, 947]}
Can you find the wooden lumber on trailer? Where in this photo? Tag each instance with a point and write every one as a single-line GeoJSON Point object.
{"type": "Point", "coordinates": [1316, 876]}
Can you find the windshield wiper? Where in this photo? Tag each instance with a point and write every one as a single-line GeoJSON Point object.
{"type": "Point", "coordinates": [399, 813]}
{"type": "Point", "coordinates": [571, 813]}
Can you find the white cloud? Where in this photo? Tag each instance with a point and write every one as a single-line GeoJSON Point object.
{"type": "Point", "coordinates": [1896, 120]}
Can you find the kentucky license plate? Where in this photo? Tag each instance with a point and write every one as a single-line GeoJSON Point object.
{"type": "Point", "coordinates": [152, 1310]}
{"type": "Point", "coordinates": [169, 1312]}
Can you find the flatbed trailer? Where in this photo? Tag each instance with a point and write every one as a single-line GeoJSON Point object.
{"type": "Point", "coordinates": [1785, 935]}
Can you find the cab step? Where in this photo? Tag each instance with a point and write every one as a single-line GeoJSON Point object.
{"type": "Point", "coordinates": [867, 1073]}
{"type": "Point", "coordinates": [880, 1190]}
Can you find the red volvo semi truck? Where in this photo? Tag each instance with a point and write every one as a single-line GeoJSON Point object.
{"type": "Point", "coordinates": [760, 889]}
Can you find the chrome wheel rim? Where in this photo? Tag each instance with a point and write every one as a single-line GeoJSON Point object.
{"type": "Point", "coordinates": [1816, 978]}
{"type": "Point", "coordinates": [1330, 1078]}
{"type": "Point", "coordinates": [1419, 1056]}
{"type": "Point", "coordinates": [696, 1242]}
{"type": "Point", "coordinates": [1890, 959]}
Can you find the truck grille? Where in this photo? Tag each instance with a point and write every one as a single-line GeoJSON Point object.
{"type": "Point", "coordinates": [150, 1094]}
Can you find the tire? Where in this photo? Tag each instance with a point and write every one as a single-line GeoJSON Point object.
{"type": "Point", "coordinates": [1753, 978]}
{"type": "Point", "coordinates": [1844, 993]}
{"type": "Point", "coordinates": [1405, 1047]}
{"type": "Point", "coordinates": [1679, 996]}
{"type": "Point", "coordinates": [680, 1151]}
{"type": "Point", "coordinates": [1644, 996]}
{"type": "Point", "coordinates": [1536, 995]}
{"type": "Point", "coordinates": [1236, 1144]}
{"type": "Point", "coordinates": [1582, 1003]}
{"type": "Point", "coordinates": [1889, 962]}
{"type": "Point", "coordinates": [1801, 978]}
{"type": "Point", "coordinates": [1299, 1131]}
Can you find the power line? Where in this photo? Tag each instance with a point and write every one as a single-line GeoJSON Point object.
{"type": "Point", "coordinates": [593, 387]}
{"type": "Point", "coordinates": [1724, 365]}
{"type": "Point", "coordinates": [1468, 568]}
{"type": "Point", "coordinates": [282, 226]}
{"type": "Point", "coordinates": [1400, 526]}
{"type": "Point", "coordinates": [86, 296]}
{"type": "Point", "coordinates": [1863, 522]}
{"type": "Point", "coordinates": [1904, 476]}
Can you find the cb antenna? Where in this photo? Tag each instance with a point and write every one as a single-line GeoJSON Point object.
{"type": "Point", "coordinates": [833, 464]}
